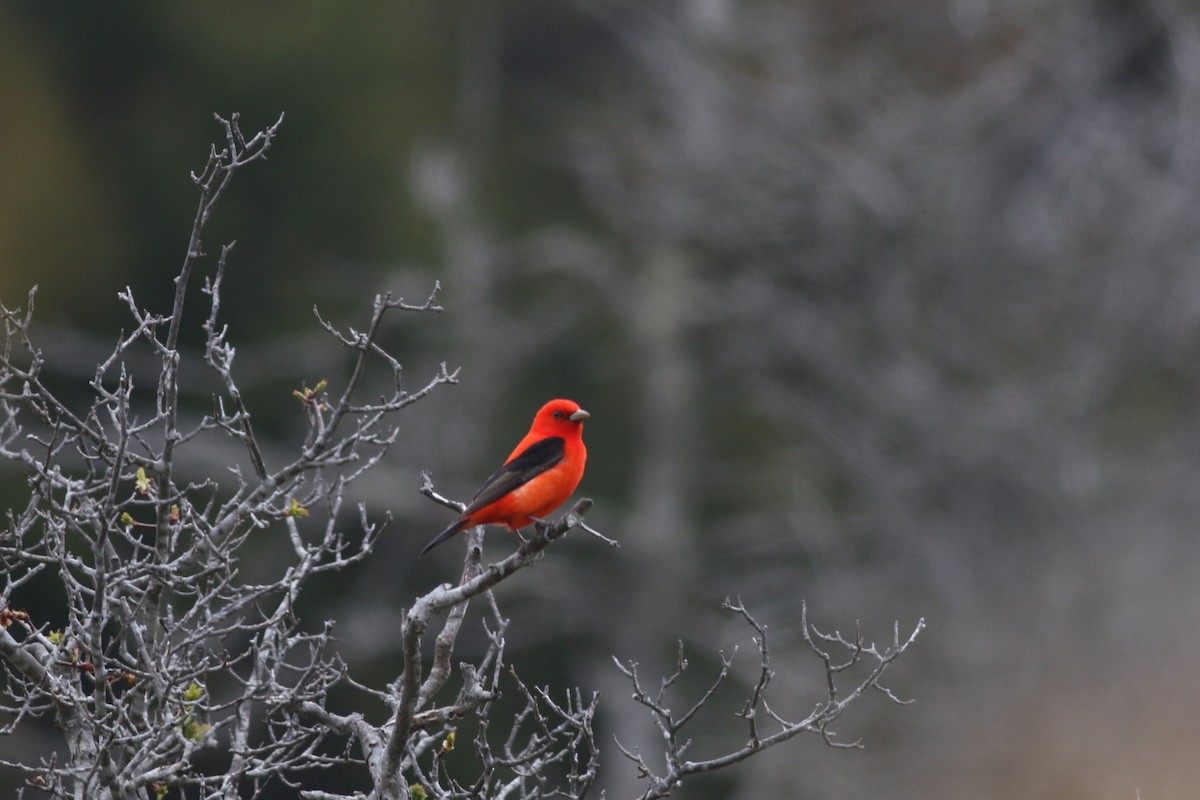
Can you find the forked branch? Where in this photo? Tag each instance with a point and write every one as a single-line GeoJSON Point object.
{"type": "Point", "coordinates": [661, 782]}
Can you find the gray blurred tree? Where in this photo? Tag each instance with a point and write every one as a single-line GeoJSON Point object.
{"type": "Point", "coordinates": [939, 273]}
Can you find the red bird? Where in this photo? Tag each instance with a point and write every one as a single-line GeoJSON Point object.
{"type": "Point", "coordinates": [537, 478]}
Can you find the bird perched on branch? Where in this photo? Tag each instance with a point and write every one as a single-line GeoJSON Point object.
{"type": "Point", "coordinates": [538, 477]}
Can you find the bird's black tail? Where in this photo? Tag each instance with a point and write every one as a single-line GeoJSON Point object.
{"type": "Point", "coordinates": [454, 528]}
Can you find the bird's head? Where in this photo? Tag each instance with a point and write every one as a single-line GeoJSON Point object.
{"type": "Point", "coordinates": [560, 418]}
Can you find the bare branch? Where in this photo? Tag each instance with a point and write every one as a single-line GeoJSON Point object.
{"type": "Point", "coordinates": [169, 646]}
{"type": "Point", "coordinates": [149, 568]}
{"type": "Point", "coordinates": [818, 721]}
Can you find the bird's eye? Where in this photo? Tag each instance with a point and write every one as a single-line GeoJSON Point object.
{"type": "Point", "coordinates": [558, 415]}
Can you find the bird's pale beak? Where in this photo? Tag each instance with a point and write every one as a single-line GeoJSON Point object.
{"type": "Point", "coordinates": [579, 416]}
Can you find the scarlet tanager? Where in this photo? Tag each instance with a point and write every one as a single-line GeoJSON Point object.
{"type": "Point", "coordinates": [537, 478]}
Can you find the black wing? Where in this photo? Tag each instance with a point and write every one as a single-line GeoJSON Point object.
{"type": "Point", "coordinates": [528, 464]}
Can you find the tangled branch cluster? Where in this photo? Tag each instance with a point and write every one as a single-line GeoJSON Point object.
{"type": "Point", "coordinates": [167, 646]}
{"type": "Point", "coordinates": [850, 654]}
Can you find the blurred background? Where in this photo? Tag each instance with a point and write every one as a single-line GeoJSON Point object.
{"type": "Point", "coordinates": [889, 307]}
